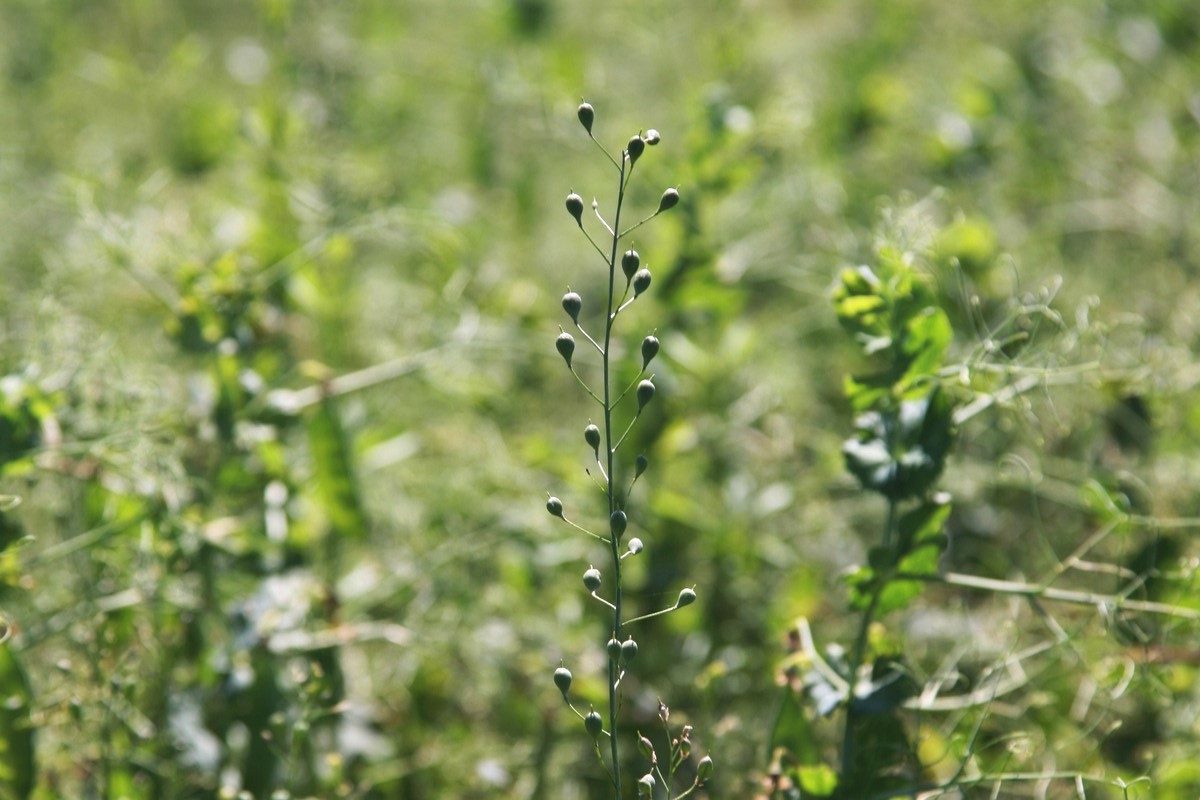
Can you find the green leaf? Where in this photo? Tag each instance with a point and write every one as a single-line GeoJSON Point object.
{"type": "Point", "coordinates": [901, 453]}
{"type": "Point", "coordinates": [793, 730]}
{"type": "Point", "coordinates": [817, 780]}
{"type": "Point", "coordinates": [333, 466]}
{"type": "Point", "coordinates": [16, 729]}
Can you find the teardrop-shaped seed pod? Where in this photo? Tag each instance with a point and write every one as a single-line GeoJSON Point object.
{"type": "Point", "coordinates": [555, 507]}
{"type": "Point", "coordinates": [646, 786]}
{"type": "Point", "coordinates": [562, 679]}
{"type": "Point", "coordinates": [593, 724]}
{"type": "Point", "coordinates": [629, 651]}
{"type": "Point", "coordinates": [669, 199]}
{"type": "Point", "coordinates": [572, 303]}
{"type": "Point", "coordinates": [635, 148]}
{"type": "Point", "coordinates": [591, 579]}
{"type": "Point", "coordinates": [630, 263]}
{"type": "Point", "coordinates": [686, 598]}
{"type": "Point", "coordinates": [646, 748]}
{"type": "Point", "coordinates": [652, 137]}
{"type": "Point", "coordinates": [617, 523]}
{"type": "Point", "coordinates": [640, 464]}
{"type": "Point", "coordinates": [704, 769]}
{"type": "Point", "coordinates": [649, 350]}
{"type": "Point", "coordinates": [591, 435]}
{"type": "Point", "coordinates": [575, 207]}
{"type": "Point", "coordinates": [614, 650]}
{"type": "Point", "coordinates": [565, 344]}
{"type": "Point", "coordinates": [587, 115]}
{"type": "Point", "coordinates": [641, 281]}
{"type": "Point", "coordinates": [645, 393]}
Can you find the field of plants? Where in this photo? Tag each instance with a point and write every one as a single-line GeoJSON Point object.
{"type": "Point", "coordinates": [540, 399]}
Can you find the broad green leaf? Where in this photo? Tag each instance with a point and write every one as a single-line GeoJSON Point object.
{"type": "Point", "coordinates": [17, 771]}
{"type": "Point", "coordinates": [333, 466]}
{"type": "Point", "coordinates": [793, 730]}
{"type": "Point", "coordinates": [817, 780]}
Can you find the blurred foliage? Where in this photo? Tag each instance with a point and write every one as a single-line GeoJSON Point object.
{"type": "Point", "coordinates": [279, 404]}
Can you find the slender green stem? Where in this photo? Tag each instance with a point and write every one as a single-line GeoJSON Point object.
{"type": "Point", "coordinates": [609, 476]}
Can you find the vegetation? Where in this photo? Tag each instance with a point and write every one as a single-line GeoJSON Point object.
{"type": "Point", "coordinates": [279, 414]}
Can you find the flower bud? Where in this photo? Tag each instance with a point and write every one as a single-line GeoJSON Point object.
{"type": "Point", "coordinates": [630, 263]}
{"type": "Point", "coordinates": [572, 303]}
{"type": "Point", "coordinates": [565, 344]}
{"type": "Point", "coordinates": [686, 598]}
{"type": "Point", "coordinates": [646, 785]}
{"type": "Point", "coordinates": [704, 769]}
{"type": "Point", "coordinates": [575, 207]}
{"type": "Point", "coordinates": [617, 523]}
{"type": "Point", "coordinates": [635, 148]}
{"type": "Point", "coordinates": [652, 137]}
{"type": "Point", "coordinates": [555, 507]}
{"type": "Point", "coordinates": [645, 391]}
{"type": "Point", "coordinates": [641, 281]}
{"type": "Point", "coordinates": [649, 350]}
{"type": "Point", "coordinates": [640, 464]}
{"type": "Point", "coordinates": [593, 724]}
{"type": "Point", "coordinates": [635, 545]}
{"type": "Point", "coordinates": [562, 679]}
{"type": "Point", "coordinates": [591, 579]}
{"type": "Point", "coordinates": [629, 651]}
{"type": "Point", "coordinates": [614, 650]}
{"type": "Point", "coordinates": [591, 435]}
{"type": "Point", "coordinates": [670, 199]}
{"type": "Point", "coordinates": [646, 748]}
{"type": "Point", "coordinates": [587, 115]}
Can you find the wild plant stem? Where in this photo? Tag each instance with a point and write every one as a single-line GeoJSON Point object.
{"type": "Point", "coordinates": [609, 319]}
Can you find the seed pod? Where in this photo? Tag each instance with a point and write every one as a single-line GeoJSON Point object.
{"type": "Point", "coordinates": [591, 435]}
{"type": "Point", "coordinates": [593, 724]}
{"type": "Point", "coordinates": [686, 598]}
{"type": "Point", "coordinates": [641, 281]}
{"type": "Point", "coordinates": [617, 523]}
{"type": "Point", "coordinates": [587, 115]}
{"type": "Point", "coordinates": [704, 769]}
{"type": "Point", "coordinates": [635, 545]}
{"type": "Point", "coordinates": [575, 207]}
{"type": "Point", "coordinates": [646, 748]}
{"type": "Point", "coordinates": [635, 148]}
{"type": "Point", "coordinates": [591, 579]}
{"type": "Point", "coordinates": [646, 785]}
{"type": "Point", "coordinates": [614, 650]}
{"type": "Point", "coordinates": [562, 679]}
{"type": "Point", "coordinates": [670, 199]}
{"type": "Point", "coordinates": [565, 344]}
{"type": "Point", "coordinates": [555, 507]}
{"type": "Point", "coordinates": [629, 651]}
{"type": "Point", "coordinates": [630, 263]}
{"type": "Point", "coordinates": [572, 303]}
{"type": "Point", "coordinates": [645, 391]}
{"type": "Point", "coordinates": [640, 464]}
{"type": "Point", "coordinates": [649, 350]}
{"type": "Point", "coordinates": [652, 137]}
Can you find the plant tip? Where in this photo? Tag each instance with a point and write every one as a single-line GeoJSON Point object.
{"type": "Point", "coordinates": [591, 579]}
{"type": "Point", "coordinates": [640, 464]}
{"type": "Point", "coordinates": [635, 148]}
{"type": "Point", "coordinates": [575, 207]}
{"type": "Point", "coordinates": [593, 724]}
{"type": "Point", "coordinates": [652, 137]}
{"type": "Point", "coordinates": [669, 199]}
{"type": "Point", "coordinates": [555, 507]}
{"type": "Point", "coordinates": [572, 303]}
{"type": "Point", "coordinates": [562, 679]}
{"type": "Point", "coordinates": [565, 344]}
{"type": "Point", "coordinates": [635, 546]}
{"type": "Point", "coordinates": [617, 523]}
{"type": "Point", "coordinates": [591, 435]}
{"type": "Point", "coordinates": [649, 350]}
{"type": "Point", "coordinates": [641, 281]}
{"type": "Point", "coordinates": [587, 115]}
{"type": "Point", "coordinates": [686, 598]}
{"type": "Point", "coordinates": [629, 651]}
{"type": "Point", "coordinates": [704, 769]}
{"type": "Point", "coordinates": [630, 263]}
{"type": "Point", "coordinates": [645, 392]}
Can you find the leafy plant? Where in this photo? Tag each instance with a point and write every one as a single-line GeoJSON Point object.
{"type": "Point", "coordinates": [604, 439]}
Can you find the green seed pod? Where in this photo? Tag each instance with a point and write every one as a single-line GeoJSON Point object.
{"type": "Point", "coordinates": [587, 115]}
{"type": "Point", "coordinates": [562, 679]}
{"type": "Point", "coordinates": [645, 391]}
{"type": "Point", "coordinates": [572, 303]}
{"type": "Point", "coordinates": [649, 350]}
{"type": "Point", "coordinates": [629, 651]}
{"type": "Point", "coordinates": [614, 650]}
{"type": "Point", "coordinates": [652, 137]}
{"type": "Point", "coordinates": [704, 769]}
{"type": "Point", "coordinates": [646, 748]}
{"type": "Point", "coordinates": [670, 199]}
{"type": "Point", "coordinates": [617, 523]}
{"type": "Point", "coordinates": [591, 579]}
{"type": "Point", "coordinates": [630, 263]}
{"type": "Point", "coordinates": [591, 435]}
{"type": "Point", "coordinates": [575, 207]}
{"type": "Point", "coordinates": [640, 464]}
{"type": "Point", "coordinates": [646, 785]}
{"type": "Point", "coordinates": [686, 598]}
{"type": "Point", "coordinates": [635, 545]}
{"type": "Point", "coordinates": [635, 148]}
{"type": "Point", "coordinates": [593, 724]}
{"type": "Point", "coordinates": [555, 507]}
{"type": "Point", "coordinates": [641, 281]}
{"type": "Point", "coordinates": [565, 344]}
